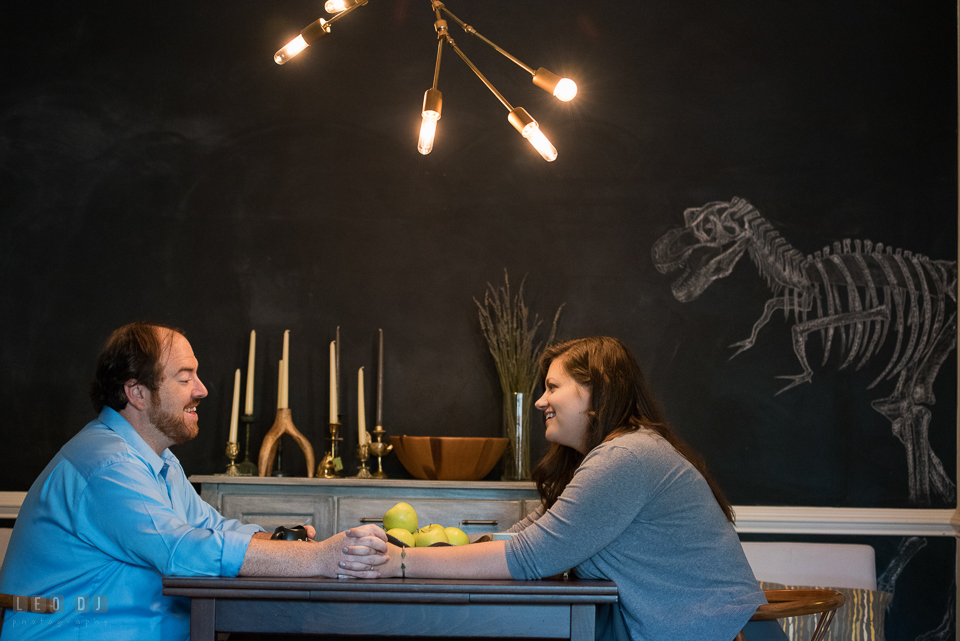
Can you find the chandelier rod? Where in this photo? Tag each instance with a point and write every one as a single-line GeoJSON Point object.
{"type": "Point", "coordinates": [439, 6]}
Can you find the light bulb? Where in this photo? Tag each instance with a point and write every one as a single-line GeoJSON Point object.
{"type": "Point", "coordinates": [566, 90]}
{"type": "Point", "coordinates": [428, 130]}
{"type": "Point", "coordinates": [541, 144]}
{"type": "Point", "coordinates": [529, 129]}
{"type": "Point", "coordinates": [310, 34]}
{"type": "Point", "coordinates": [432, 104]}
{"type": "Point", "coordinates": [294, 47]}
{"type": "Point", "coordinates": [563, 88]}
{"type": "Point", "coordinates": [336, 6]}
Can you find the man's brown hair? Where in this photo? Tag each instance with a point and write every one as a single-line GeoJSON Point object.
{"type": "Point", "coordinates": [135, 352]}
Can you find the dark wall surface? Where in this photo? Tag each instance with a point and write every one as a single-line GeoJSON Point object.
{"type": "Point", "coordinates": [156, 164]}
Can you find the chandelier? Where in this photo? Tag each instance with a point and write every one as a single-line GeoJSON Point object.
{"type": "Point", "coordinates": [562, 88]}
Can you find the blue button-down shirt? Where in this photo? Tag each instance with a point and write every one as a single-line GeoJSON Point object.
{"type": "Point", "coordinates": [100, 526]}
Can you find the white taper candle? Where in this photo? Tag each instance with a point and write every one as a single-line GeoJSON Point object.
{"type": "Point", "coordinates": [361, 410]}
{"type": "Point", "coordinates": [286, 369]}
{"type": "Point", "coordinates": [236, 407]}
{"type": "Point", "coordinates": [280, 385]}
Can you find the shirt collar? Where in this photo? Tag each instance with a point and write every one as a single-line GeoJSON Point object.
{"type": "Point", "coordinates": [112, 419]}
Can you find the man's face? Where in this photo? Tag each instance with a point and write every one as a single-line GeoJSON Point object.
{"type": "Point", "coordinates": [173, 408]}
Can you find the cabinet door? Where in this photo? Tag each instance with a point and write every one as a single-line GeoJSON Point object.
{"type": "Point", "coordinates": [269, 511]}
{"type": "Point", "coordinates": [471, 516]}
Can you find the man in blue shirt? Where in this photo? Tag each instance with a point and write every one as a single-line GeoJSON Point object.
{"type": "Point", "coordinates": [113, 511]}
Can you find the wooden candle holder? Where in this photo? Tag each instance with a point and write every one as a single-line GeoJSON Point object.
{"type": "Point", "coordinates": [283, 424]}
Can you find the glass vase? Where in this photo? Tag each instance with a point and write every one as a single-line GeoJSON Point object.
{"type": "Point", "coordinates": [516, 427]}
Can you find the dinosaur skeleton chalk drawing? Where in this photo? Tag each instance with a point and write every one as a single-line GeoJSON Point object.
{"type": "Point", "coordinates": [863, 295]}
{"type": "Point", "coordinates": [908, 548]}
{"type": "Point", "coordinates": [887, 582]}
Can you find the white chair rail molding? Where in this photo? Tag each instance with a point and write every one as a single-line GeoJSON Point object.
{"type": "Point", "coordinates": [774, 519]}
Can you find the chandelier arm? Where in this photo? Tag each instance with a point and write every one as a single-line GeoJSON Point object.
{"type": "Point", "coordinates": [476, 33]}
{"type": "Point", "coordinates": [480, 75]}
{"type": "Point", "coordinates": [436, 71]}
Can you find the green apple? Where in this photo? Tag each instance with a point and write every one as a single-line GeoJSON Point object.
{"type": "Point", "coordinates": [401, 515]}
{"type": "Point", "coordinates": [403, 535]}
{"type": "Point", "coordinates": [432, 526]}
{"type": "Point", "coordinates": [429, 537]}
{"type": "Point", "coordinates": [456, 536]}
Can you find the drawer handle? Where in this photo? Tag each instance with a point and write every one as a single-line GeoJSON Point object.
{"type": "Point", "coordinates": [370, 519]}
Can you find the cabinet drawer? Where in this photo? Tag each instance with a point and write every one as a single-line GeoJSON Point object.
{"type": "Point", "coordinates": [270, 511]}
{"type": "Point", "coordinates": [471, 516]}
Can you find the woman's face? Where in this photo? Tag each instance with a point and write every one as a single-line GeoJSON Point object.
{"type": "Point", "coordinates": [564, 404]}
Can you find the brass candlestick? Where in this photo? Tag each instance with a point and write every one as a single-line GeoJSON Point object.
{"type": "Point", "coordinates": [233, 448]}
{"type": "Point", "coordinates": [248, 467]}
{"type": "Point", "coordinates": [379, 449]}
{"type": "Point", "coordinates": [330, 467]}
{"type": "Point", "coordinates": [363, 453]}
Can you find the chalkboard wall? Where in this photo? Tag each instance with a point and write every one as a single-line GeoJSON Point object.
{"type": "Point", "coordinates": [156, 164]}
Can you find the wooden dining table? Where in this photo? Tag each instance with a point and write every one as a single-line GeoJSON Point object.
{"type": "Point", "coordinates": [549, 608]}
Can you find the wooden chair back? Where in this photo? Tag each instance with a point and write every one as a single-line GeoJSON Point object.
{"type": "Point", "coordinates": [25, 604]}
{"type": "Point", "coordinates": [789, 603]}
{"type": "Point", "coordinates": [28, 604]}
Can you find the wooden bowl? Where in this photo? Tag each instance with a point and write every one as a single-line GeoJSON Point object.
{"type": "Point", "coordinates": [448, 458]}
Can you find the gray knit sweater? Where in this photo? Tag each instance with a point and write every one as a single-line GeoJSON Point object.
{"type": "Point", "coordinates": [639, 514]}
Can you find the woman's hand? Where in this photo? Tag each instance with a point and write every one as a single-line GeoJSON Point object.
{"type": "Point", "coordinates": [359, 552]}
{"type": "Point", "coordinates": [475, 561]}
{"type": "Point", "coordinates": [390, 567]}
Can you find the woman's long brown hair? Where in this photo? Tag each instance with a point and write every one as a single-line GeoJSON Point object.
{"type": "Point", "coordinates": [619, 403]}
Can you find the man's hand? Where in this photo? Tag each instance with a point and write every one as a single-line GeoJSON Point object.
{"type": "Point", "coordinates": [355, 556]}
{"type": "Point", "coordinates": [476, 561]}
{"type": "Point", "coordinates": [362, 550]}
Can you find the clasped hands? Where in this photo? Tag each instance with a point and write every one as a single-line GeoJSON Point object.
{"type": "Point", "coordinates": [363, 550]}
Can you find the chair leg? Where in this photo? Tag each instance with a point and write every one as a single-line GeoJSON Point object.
{"type": "Point", "coordinates": [740, 636]}
{"type": "Point", "coordinates": [823, 625]}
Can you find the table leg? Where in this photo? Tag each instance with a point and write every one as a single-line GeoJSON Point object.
{"type": "Point", "coordinates": [583, 621]}
{"type": "Point", "coordinates": [203, 619]}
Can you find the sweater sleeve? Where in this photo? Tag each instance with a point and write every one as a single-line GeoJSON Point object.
{"type": "Point", "coordinates": [604, 497]}
{"type": "Point", "coordinates": [527, 520]}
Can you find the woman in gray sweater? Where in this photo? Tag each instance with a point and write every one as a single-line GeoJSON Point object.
{"type": "Point", "coordinates": [623, 499]}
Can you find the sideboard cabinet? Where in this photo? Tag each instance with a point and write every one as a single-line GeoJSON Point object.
{"type": "Point", "coordinates": [334, 505]}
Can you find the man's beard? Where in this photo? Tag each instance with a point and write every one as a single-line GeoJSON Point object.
{"type": "Point", "coordinates": [171, 425]}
